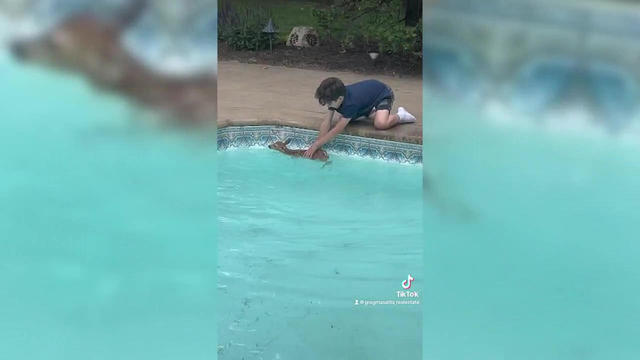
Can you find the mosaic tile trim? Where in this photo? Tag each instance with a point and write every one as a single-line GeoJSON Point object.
{"type": "Point", "coordinates": [245, 136]}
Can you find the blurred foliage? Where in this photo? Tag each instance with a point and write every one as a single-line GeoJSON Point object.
{"type": "Point", "coordinates": [370, 25]}
{"type": "Point", "coordinates": [241, 27]}
{"type": "Point", "coordinates": [376, 25]}
{"type": "Point", "coordinates": [286, 13]}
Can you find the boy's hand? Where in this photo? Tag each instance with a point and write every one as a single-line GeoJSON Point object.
{"type": "Point", "coordinates": [310, 151]}
{"type": "Point", "coordinates": [342, 123]}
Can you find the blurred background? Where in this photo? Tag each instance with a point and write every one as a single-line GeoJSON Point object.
{"type": "Point", "coordinates": [531, 168]}
{"type": "Point", "coordinates": [168, 36]}
{"type": "Point", "coordinates": [531, 171]}
{"type": "Point", "coordinates": [107, 179]}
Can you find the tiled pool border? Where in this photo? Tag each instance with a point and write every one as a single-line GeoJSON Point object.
{"type": "Point", "coordinates": [263, 135]}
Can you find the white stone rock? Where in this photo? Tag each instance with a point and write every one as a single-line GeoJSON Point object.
{"type": "Point", "coordinates": [303, 36]}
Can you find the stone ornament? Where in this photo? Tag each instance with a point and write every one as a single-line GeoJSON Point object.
{"type": "Point", "coordinates": [303, 36]}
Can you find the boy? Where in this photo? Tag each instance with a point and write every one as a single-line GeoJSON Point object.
{"type": "Point", "coordinates": [365, 99]}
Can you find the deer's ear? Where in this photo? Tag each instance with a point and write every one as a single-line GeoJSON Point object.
{"type": "Point", "coordinates": [286, 142]}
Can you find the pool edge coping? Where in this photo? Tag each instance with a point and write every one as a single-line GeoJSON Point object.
{"type": "Point", "coordinates": [261, 135]}
{"type": "Point", "coordinates": [370, 134]}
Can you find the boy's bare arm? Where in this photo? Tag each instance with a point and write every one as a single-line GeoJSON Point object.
{"type": "Point", "coordinates": [326, 124]}
{"type": "Point", "coordinates": [340, 125]}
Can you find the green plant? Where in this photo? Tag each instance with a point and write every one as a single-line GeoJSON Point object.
{"type": "Point", "coordinates": [228, 19]}
{"type": "Point", "coordinates": [330, 23]}
{"type": "Point", "coordinates": [397, 39]}
{"type": "Point", "coordinates": [369, 24]}
{"type": "Point", "coordinates": [241, 29]}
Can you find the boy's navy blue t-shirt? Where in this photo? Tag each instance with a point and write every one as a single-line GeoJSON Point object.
{"type": "Point", "coordinates": [361, 97]}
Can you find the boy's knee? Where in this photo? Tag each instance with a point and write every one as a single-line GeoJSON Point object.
{"type": "Point", "coordinates": [380, 125]}
{"type": "Point", "coordinates": [381, 120]}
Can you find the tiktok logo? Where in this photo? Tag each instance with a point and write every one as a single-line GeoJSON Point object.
{"type": "Point", "coordinates": [407, 283]}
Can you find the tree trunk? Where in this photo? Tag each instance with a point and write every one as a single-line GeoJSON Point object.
{"type": "Point", "coordinates": [413, 12]}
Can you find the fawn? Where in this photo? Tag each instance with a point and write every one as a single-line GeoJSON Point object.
{"type": "Point", "coordinates": [282, 147]}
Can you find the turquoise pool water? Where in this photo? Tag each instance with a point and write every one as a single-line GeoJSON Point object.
{"type": "Point", "coordinates": [299, 243]}
{"type": "Point", "coordinates": [532, 239]}
{"type": "Point", "coordinates": [107, 226]}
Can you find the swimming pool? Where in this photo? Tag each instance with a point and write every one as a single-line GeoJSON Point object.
{"type": "Point", "coordinates": [299, 243]}
{"type": "Point", "coordinates": [532, 238]}
{"type": "Point", "coordinates": [107, 226]}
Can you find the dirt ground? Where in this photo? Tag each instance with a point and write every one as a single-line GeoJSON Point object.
{"type": "Point", "coordinates": [328, 58]}
{"type": "Point", "coordinates": [257, 94]}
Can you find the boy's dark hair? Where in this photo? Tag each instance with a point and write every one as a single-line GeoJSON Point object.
{"type": "Point", "coordinates": [329, 90]}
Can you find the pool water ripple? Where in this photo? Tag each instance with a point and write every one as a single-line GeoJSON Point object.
{"type": "Point", "coordinates": [298, 244]}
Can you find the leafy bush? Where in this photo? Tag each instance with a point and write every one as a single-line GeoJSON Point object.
{"type": "Point", "coordinates": [241, 28]}
{"type": "Point", "coordinates": [227, 18]}
{"type": "Point", "coordinates": [376, 25]}
{"type": "Point", "coordinates": [329, 23]}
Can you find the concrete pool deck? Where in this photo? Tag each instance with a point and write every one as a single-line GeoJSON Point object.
{"type": "Point", "coordinates": [255, 94]}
